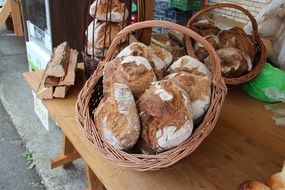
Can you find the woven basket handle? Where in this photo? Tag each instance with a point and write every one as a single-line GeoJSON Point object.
{"type": "Point", "coordinates": [227, 5]}
{"type": "Point", "coordinates": [169, 25]}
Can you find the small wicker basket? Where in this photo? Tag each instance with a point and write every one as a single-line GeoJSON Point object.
{"type": "Point", "coordinates": [261, 55]}
{"type": "Point", "coordinates": [90, 96]}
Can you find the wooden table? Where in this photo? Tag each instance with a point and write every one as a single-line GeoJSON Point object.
{"type": "Point", "coordinates": [244, 145]}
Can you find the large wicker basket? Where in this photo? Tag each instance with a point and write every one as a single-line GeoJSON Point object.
{"type": "Point", "coordinates": [261, 55]}
{"type": "Point", "coordinates": [91, 94]}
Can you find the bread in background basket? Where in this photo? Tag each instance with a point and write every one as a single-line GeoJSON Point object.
{"type": "Point", "coordinates": [242, 56]}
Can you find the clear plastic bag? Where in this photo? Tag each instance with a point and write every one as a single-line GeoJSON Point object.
{"type": "Point", "coordinates": [277, 112]}
{"type": "Point", "coordinates": [271, 26]}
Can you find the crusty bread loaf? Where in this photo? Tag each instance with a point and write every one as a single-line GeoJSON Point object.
{"type": "Point", "coordinates": [205, 28]}
{"type": "Point", "coordinates": [166, 116]}
{"type": "Point", "coordinates": [201, 52]}
{"type": "Point", "coordinates": [113, 11]}
{"type": "Point", "coordinates": [277, 180]}
{"type": "Point", "coordinates": [134, 71]}
{"type": "Point", "coordinates": [163, 54]}
{"type": "Point", "coordinates": [234, 63]}
{"type": "Point", "coordinates": [104, 33]}
{"type": "Point", "coordinates": [190, 65]}
{"type": "Point", "coordinates": [237, 38]}
{"type": "Point", "coordinates": [198, 89]}
{"type": "Point", "coordinates": [117, 119]}
{"type": "Point", "coordinates": [177, 36]}
{"type": "Point", "coordinates": [139, 49]}
{"type": "Point", "coordinates": [253, 185]}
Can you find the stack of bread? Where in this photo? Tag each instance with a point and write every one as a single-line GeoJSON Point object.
{"type": "Point", "coordinates": [151, 104]}
{"type": "Point", "coordinates": [234, 47]}
{"type": "Point", "coordinates": [109, 18]}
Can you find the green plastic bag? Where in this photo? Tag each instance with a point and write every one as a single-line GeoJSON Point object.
{"type": "Point", "coordinates": [268, 86]}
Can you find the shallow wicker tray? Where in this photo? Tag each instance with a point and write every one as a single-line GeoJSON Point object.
{"type": "Point", "coordinates": [261, 54]}
{"type": "Point", "coordinates": [91, 94]}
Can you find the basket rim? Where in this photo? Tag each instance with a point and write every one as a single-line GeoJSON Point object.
{"type": "Point", "coordinates": [142, 162]}
{"type": "Point", "coordinates": [256, 40]}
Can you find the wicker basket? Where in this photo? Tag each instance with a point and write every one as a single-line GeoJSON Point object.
{"type": "Point", "coordinates": [261, 55]}
{"type": "Point", "coordinates": [91, 94]}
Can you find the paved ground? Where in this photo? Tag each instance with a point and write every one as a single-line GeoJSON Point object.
{"type": "Point", "coordinates": [14, 173]}
{"type": "Point", "coordinates": [16, 98]}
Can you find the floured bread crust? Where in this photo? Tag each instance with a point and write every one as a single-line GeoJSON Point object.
{"type": "Point", "coordinates": [206, 28]}
{"type": "Point", "coordinates": [198, 89]}
{"type": "Point", "coordinates": [166, 116]}
{"type": "Point", "coordinates": [234, 63]}
{"type": "Point", "coordinates": [134, 71]}
{"type": "Point", "coordinates": [237, 38]}
{"type": "Point", "coordinates": [104, 33]}
{"type": "Point", "coordinates": [117, 119]}
{"type": "Point", "coordinates": [190, 65]}
{"type": "Point", "coordinates": [113, 11]}
{"type": "Point", "coordinates": [164, 55]}
{"type": "Point", "coordinates": [201, 52]}
{"type": "Point", "coordinates": [139, 49]}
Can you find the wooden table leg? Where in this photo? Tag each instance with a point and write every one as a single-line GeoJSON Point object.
{"type": "Point", "coordinates": [69, 154]}
{"type": "Point", "coordinates": [93, 182]}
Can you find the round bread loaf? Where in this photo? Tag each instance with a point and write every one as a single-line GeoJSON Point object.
{"type": "Point", "coordinates": [166, 116]}
{"type": "Point", "coordinates": [139, 49]}
{"type": "Point", "coordinates": [163, 54]}
{"type": "Point", "coordinates": [205, 28]}
{"type": "Point", "coordinates": [201, 52]}
{"type": "Point", "coordinates": [234, 63]}
{"type": "Point", "coordinates": [198, 89]}
{"type": "Point", "coordinates": [105, 10]}
{"type": "Point", "coordinates": [190, 65]}
{"type": "Point", "coordinates": [134, 71]}
{"type": "Point", "coordinates": [104, 33]}
{"type": "Point", "coordinates": [237, 38]}
{"type": "Point", "coordinates": [117, 119]}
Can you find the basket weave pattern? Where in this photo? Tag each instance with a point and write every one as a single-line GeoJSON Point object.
{"type": "Point", "coordinates": [261, 54]}
{"type": "Point", "coordinates": [141, 162]}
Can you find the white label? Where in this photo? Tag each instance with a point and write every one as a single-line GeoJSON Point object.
{"type": "Point", "coordinates": [41, 111]}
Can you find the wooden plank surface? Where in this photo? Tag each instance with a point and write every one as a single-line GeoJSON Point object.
{"type": "Point", "coordinates": [244, 145]}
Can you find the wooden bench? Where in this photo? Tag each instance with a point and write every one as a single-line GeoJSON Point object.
{"type": "Point", "coordinates": [245, 145]}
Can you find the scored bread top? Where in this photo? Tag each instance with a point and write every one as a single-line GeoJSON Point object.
{"type": "Point", "coordinates": [166, 116]}
{"type": "Point", "coordinates": [139, 49]}
{"type": "Point", "coordinates": [134, 71]}
{"type": "Point", "coordinates": [198, 89]}
{"type": "Point", "coordinates": [190, 65]}
{"type": "Point", "coordinates": [116, 117]}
